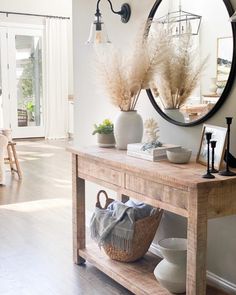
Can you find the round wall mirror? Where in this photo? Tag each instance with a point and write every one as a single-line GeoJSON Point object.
{"type": "Point", "coordinates": [201, 31]}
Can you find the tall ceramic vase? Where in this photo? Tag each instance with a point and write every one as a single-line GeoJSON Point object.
{"type": "Point", "coordinates": [171, 271]}
{"type": "Point", "coordinates": [175, 114]}
{"type": "Point", "coordinates": [128, 128]}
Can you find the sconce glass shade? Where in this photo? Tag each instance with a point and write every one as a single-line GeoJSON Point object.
{"type": "Point", "coordinates": [98, 34]}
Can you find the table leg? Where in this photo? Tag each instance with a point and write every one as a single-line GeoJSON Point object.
{"type": "Point", "coordinates": [122, 198]}
{"type": "Point", "coordinates": [78, 185]}
{"type": "Point", "coordinates": [9, 152]}
{"type": "Point", "coordinates": [197, 243]}
{"type": "Point", "coordinates": [18, 169]}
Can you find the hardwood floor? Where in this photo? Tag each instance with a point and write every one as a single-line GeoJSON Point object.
{"type": "Point", "coordinates": [35, 231]}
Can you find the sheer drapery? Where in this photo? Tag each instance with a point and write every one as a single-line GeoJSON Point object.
{"type": "Point", "coordinates": [56, 78]}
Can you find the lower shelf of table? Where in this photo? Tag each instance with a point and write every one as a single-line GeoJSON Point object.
{"type": "Point", "coordinates": [137, 277]}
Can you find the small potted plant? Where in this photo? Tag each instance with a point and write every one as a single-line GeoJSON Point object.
{"type": "Point", "coordinates": [105, 135]}
{"type": "Point", "coordinates": [30, 107]}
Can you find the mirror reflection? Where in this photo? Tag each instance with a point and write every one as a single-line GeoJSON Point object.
{"type": "Point", "coordinates": [202, 29]}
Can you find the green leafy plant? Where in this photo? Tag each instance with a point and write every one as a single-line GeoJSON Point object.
{"type": "Point", "coordinates": [30, 106]}
{"type": "Point", "coordinates": [105, 128]}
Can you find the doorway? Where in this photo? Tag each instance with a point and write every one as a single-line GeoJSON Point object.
{"type": "Point", "coordinates": [21, 81]}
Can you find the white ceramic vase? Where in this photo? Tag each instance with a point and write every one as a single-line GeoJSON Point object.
{"type": "Point", "coordinates": [171, 271]}
{"type": "Point", "coordinates": [175, 114]}
{"type": "Point", "coordinates": [128, 128]}
{"type": "Point", "coordinates": [213, 86]}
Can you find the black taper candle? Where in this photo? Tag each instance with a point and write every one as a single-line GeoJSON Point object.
{"type": "Point", "coordinates": [227, 172]}
{"type": "Point", "coordinates": [229, 122]}
{"type": "Point", "coordinates": [213, 146]}
{"type": "Point", "coordinates": [208, 174]}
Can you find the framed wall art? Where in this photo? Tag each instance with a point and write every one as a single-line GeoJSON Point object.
{"type": "Point", "coordinates": [219, 135]}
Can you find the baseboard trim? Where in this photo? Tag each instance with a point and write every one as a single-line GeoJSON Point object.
{"type": "Point", "coordinates": [220, 283]}
{"type": "Point", "coordinates": [212, 279]}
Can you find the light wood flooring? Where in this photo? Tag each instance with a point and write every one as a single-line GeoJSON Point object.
{"type": "Point", "coordinates": [35, 229]}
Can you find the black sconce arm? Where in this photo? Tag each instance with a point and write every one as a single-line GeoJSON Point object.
{"type": "Point", "coordinates": [125, 11]}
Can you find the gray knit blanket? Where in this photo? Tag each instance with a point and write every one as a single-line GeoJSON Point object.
{"type": "Point", "coordinates": [115, 225]}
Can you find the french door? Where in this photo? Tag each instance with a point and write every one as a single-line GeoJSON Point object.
{"type": "Point", "coordinates": [22, 85]}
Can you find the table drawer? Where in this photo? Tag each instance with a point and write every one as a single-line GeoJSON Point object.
{"type": "Point", "coordinates": [157, 191]}
{"type": "Point", "coordinates": [100, 171]}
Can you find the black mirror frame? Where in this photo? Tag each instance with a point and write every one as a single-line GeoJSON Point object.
{"type": "Point", "coordinates": [227, 88]}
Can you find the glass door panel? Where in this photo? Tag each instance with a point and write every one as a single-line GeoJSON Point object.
{"type": "Point", "coordinates": [26, 72]}
{"type": "Point", "coordinates": [4, 93]}
{"type": "Point", "coordinates": [29, 80]}
{"type": "Point", "coordinates": [1, 99]}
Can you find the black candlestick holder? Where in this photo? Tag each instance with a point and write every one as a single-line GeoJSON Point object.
{"type": "Point", "coordinates": [213, 146]}
{"type": "Point", "coordinates": [227, 172]}
{"type": "Point", "coordinates": [208, 175]}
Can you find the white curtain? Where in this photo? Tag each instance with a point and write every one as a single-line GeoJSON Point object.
{"type": "Point", "coordinates": [56, 82]}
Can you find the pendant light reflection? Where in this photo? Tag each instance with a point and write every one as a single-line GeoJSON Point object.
{"type": "Point", "coordinates": [180, 22]}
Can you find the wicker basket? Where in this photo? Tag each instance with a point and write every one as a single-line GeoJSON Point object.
{"type": "Point", "coordinates": [144, 232]}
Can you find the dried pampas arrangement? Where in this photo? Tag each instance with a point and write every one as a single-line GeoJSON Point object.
{"type": "Point", "coordinates": [166, 64]}
{"type": "Point", "coordinates": [180, 73]}
{"type": "Point", "coordinates": [125, 75]}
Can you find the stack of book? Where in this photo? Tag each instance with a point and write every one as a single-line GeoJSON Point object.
{"type": "Point", "coordinates": [154, 155]}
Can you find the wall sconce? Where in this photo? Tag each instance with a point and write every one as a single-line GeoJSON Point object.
{"type": "Point", "coordinates": [98, 34]}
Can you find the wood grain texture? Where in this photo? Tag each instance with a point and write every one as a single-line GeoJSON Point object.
{"type": "Point", "coordinates": [197, 243]}
{"type": "Point", "coordinates": [177, 188]}
{"type": "Point", "coordinates": [137, 277]}
{"type": "Point", "coordinates": [12, 159]}
{"type": "Point", "coordinates": [36, 232]}
{"type": "Point", "coordinates": [101, 172]}
{"type": "Point", "coordinates": [221, 200]}
{"type": "Point", "coordinates": [179, 176]}
{"type": "Point", "coordinates": [16, 161]}
{"type": "Point", "coordinates": [155, 190]}
{"type": "Point", "coordinates": [78, 194]}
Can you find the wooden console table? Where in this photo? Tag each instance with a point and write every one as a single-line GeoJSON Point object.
{"type": "Point", "coordinates": [176, 188]}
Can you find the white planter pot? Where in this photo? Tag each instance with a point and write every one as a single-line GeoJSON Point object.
{"type": "Point", "coordinates": [128, 128]}
{"type": "Point", "coordinates": [175, 114]}
{"type": "Point", "coordinates": [171, 271]}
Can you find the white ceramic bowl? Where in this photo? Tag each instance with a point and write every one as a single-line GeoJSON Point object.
{"type": "Point", "coordinates": [173, 249]}
{"type": "Point", "coordinates": [180, 156]}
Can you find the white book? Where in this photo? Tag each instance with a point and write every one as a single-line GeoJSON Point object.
{"type": "Point", "coordinates": [159, 151]}
{"type": "Point", "coordinates": [146, 156]}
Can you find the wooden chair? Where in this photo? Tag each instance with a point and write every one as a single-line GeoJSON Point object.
{"type": "Point", "coordinates": [12, 159]}
{"type": "Point", "coordinates": [22, 118]}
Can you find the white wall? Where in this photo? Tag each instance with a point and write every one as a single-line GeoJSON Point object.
{"type": "Point", "coordinates": [53, 7]}
{"type": "Point", "coordinates": [214, 25]}
{"type": "Point", "coordinates": [92, 106]}
{"type": "Point", "coordinates": [45, 7]}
